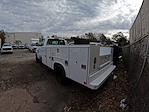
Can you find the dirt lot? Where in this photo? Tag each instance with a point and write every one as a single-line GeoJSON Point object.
{"type": "Point", "coordinates": [26, 86]}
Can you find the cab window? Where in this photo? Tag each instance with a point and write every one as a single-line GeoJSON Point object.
{"type": "Point", "coordinates": [61, 42]}
{"type": "Point", "coordinates": [55, 42]}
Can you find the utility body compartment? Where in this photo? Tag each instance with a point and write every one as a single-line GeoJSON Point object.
{"type": "Point", "coordinates": [89, 65]}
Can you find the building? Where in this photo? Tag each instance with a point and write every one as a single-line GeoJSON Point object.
{"type": "Point", "coordinates": [23, 37]}
{"type": "Point", "coordinates": [137, 56]}
{"type": "Point", "coordinates": [140, 27]}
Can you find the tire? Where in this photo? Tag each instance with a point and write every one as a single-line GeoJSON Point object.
{"type": "Point", "coordinates": [61, 76]}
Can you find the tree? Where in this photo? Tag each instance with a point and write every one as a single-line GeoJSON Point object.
{"type": "Point", "coordinates": [2, 37]}
{"type": "Point", "coordinates": [120, 39]}
{"type": "Point", "coordinates": [103, 38]}
{"type": "Point", "coordinates": [90, 36]}
{"type": "Point", "coordinates": [54, 36]}
{"type": "Point", "coordinates": [108, 41]}
{"type": "Point", "coordinates": [18, 42]}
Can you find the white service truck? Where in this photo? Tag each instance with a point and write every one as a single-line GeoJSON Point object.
{"type": "Point", "coordinates": [89, 65]}
{"type": "Point", "coordinates": [34, 43]}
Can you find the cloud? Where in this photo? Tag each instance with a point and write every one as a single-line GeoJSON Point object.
{"type": "Point", "coordinates": [68, 17]}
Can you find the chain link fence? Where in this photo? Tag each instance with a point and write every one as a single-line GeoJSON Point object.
{"type": "Point", "coordinates": [136, 57]}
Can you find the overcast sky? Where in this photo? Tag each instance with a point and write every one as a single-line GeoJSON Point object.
{"type": "Point", "coordinates": [68, 17]}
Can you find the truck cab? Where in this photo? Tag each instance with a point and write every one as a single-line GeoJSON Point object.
{"type": "Point", "coordinates": [53, 41]}
{"type": "Point", "coordinates": [48, 42]}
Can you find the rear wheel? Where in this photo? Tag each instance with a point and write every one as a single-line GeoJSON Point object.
{"type": "Point", "coordinates": [60, 75]}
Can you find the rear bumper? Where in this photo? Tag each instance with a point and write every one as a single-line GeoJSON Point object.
{"type": "Point", "coordinates": [101, 77]}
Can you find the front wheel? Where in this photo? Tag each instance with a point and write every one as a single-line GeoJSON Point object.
{"type": "Point", "coordinates": [37, 60]}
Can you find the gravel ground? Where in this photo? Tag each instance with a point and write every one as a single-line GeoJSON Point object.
{"type": "Point", "coordinates": [21, 76]}
{"type": "Point", "coordinates": [26, 86]}
{"type": "Point", "coordinates": [106, 99]}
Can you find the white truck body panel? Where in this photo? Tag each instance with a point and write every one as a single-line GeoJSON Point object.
{"type": "Point", "coordinates": [78, 57]}
{"type": "Point", "coordinates": [89, 65]}
{"type": "Point", "coordinates": [105, 51]}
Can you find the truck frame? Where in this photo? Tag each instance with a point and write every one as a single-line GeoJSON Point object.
{"type": "Point", "coordinates": [89, 65]}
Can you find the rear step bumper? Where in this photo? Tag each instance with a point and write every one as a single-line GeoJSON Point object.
{"type": "Point", "coordinates": [95, 84]}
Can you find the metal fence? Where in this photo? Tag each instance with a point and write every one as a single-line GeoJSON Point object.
{"type": "Point", "coordinates": [136, 57]}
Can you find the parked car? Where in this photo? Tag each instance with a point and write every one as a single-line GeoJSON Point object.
{"type": "Point", "coordinates": [14, 46]}
{"type": "Point", "coordinates": [33, 47]}
{"type": "Point", "coordinates": [26, 46]}
{"type": "Point", "coordinates": [21, 46]}
{"type": "Point", "coordinates": [7, 48]}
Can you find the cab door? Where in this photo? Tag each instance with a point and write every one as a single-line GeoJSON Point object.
{"type": "Point", "coordinates": [44, 55]}
{"type": "Point", "coordinates": [49, 57]}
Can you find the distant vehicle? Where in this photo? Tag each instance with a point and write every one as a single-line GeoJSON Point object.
{"type": "Point", "coordinates": [15, 46]}
{"type": "Point", "coordinates": [88, 64]}
{"type": "Point", "coordinates": [21, 46]}
{"type": "Point", "coordinates": [33, 47]}
{"type": "Point", "coordinates": [26, 46]}
{"type": "Point", "coordinates": [7, 48]}
{"type": "Point", "coordinates": [34, 44]}
{"type": "Point", "coordinates": [34, 41]}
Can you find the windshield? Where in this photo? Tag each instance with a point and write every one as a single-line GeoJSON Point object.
{"type": "Point", "coordinates": [55, 42]}
{"type": "Point", "coordinates": [6, 44]}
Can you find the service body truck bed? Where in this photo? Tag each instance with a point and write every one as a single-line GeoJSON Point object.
{"type": "Point", "coordinates": [89, 65]}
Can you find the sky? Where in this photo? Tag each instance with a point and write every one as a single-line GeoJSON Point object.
{"type": "Point", "coordinates": [68, 17]}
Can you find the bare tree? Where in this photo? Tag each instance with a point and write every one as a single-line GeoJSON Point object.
{"type": "Point", "coordinates": [2, 37]}
{"type": "Point", "coordinates": [18, 42]}
{"type": "Point", "coordinates": [120, 38]}
{"type": "Point", "coordinates": [90, 36]}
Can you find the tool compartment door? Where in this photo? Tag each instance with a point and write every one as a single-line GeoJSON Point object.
{"type": "Point", "coordinates": [78, 61]}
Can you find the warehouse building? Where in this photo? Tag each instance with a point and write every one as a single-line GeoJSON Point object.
{"type": "Point", "coordinates": [23, 37]}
